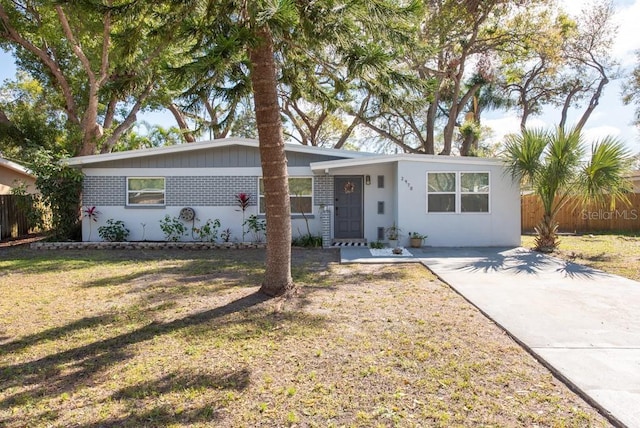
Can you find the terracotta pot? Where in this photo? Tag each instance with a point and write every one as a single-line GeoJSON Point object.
{"type": "Point", "coordinates": [415, 242]}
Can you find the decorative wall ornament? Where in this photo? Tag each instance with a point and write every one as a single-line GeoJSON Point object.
{"type": "Point", "coordinates": [349, 187]}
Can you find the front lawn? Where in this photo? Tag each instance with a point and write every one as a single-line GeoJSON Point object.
{"type": "Point", "coordinates": [614, 253]}
{"type": "Point", "coordinates": [178, 338]}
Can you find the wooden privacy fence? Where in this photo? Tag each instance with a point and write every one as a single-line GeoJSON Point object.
{"type": "Point", "coordinates": [574, 217]}
{"type": "Point", "coordinates": [13, 216]}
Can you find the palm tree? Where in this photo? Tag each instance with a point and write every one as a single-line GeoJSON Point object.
{"type": "Point", "coordinates": [277, 278]}
{"type": "Point", "coordinates": [554, 166]}
{"type": "Point", "coordinates": [240, 42]}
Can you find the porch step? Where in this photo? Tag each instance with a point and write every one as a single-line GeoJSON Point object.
{"type": "Point", "coordinates": [349, 243]}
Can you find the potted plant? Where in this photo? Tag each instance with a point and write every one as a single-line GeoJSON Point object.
{"type": "Point", "coordinates": [393, 234]}
{"type": "Point", "coordinates": [416, 239]}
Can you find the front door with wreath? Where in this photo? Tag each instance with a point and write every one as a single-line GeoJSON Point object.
{"type": "Point", "coordinates": [348, 216]}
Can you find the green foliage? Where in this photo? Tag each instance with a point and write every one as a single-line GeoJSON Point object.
{"type": "Point", "coordinates": [173, 228]}
{"type": "Point", "coordinates": [376, 245]}
{"type": "Point", "coordinates": [152, 136]}
{"type": "Point", "coordinates": [60, 187]}
{"type": "Point", "coordinates": [417, 235]}
{"type": "Point", "coordinates": [393, 232]}
{"type": "Point", "coordinates": [208, 231]}
{"type": "Point", "coordinates": [552, 165]}
{"type": "Point", "coordinates": [256, 226]}
{"type": "Point", "coordinates": [31, 204]}
{"type": "Point", "coordinates": [101, 65]}
{"type": "Point", "coordinates": [225, 235]}
{"type": "Point", "coordinates": [308, 240]}
{"type": "Point", "coordinates": [113, 231]}
{"type": "Point", "coordinates": [471, 128]}
{"type": "Point", "coordinates": [32, 121]}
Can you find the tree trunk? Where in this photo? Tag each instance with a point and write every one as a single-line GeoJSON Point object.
{"type": "Point", "coordinates": [277, 278]}
{"type": "Point", "coordinates": [182, 123]}
{"type": "Point", "coordinates": [593, 103]}
{"type": "Point", "coordinates": [546, 234]}
{"type": "Point", "coordinates": [566, 105]}
{"type": "Point", "coordinates": [430, 145]}
{"type": "Point", "coordinates": [467, 144]}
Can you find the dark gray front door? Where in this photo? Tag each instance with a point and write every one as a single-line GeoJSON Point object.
{"type": "Point", "coordinates": [348, 207]}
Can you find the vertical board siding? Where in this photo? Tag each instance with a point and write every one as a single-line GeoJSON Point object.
{"type": "Point", "coordinates": [219, 157]}
{"type": "Point", "coordinates": [574, 217]}
{"type": "Point", "coordinates": [13, 219]}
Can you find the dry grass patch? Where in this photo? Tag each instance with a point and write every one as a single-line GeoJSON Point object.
{"type": "Point", "coordinates": [618, 254]}
{"type": "Point", "coordinates": [99, 339]}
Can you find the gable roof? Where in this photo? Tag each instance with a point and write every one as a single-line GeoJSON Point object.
{"type": "Point", "coordinates": [203, 145]}
{"type": "Point", "coordinates": [15, 167]}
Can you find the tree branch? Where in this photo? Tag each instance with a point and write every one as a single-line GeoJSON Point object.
{"type": "Point", "coordinates": [182, 123]}
{"type": "Point", "coordinates": [66, 28]}
{"type": "Point", "coordinates": [12, 34]}
{"type": "Point", "coordinates": [127, 123]}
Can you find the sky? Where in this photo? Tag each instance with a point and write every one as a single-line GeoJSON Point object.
{"type": "Point", "coordinates": [611, 117]}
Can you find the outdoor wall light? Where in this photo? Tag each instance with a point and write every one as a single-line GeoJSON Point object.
{"type": "Point", "coordinates": [367, 179]}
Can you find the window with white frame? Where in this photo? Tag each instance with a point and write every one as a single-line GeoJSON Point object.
{"type": "Point", "coordinates": [474, 192]}
{"type": "Point", "coordinates": [300, 195]}
{"type": "Point", "coordinates": [147, 191]}
{"type": "Point", "coordinates": [441, 192]}
{"type": "Point", "coordinates": [458, 192]}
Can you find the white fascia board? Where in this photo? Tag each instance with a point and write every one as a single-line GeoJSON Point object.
{"type": "Point", "coordinates": [15, 167]}
{"type": "Point", "coordinates": [373, 160]}
{"type": "Point", "coordinates": [201, 145]}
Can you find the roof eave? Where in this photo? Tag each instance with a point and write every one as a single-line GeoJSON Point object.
{"type": "Point", "coordinates": [16, 167]}
{"type": "Point", "coordinates": [373, 160]}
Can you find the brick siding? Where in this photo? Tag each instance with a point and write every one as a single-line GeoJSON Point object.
{"type": "Point", "coordinates": [192, 190]}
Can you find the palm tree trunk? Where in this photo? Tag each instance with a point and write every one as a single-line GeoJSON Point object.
{"type": "Point", "coordinates": [277, 278]}
{"type": "Point", "coordinates": [547, 234]}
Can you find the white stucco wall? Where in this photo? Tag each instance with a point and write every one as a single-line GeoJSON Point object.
{"type": "Point", "coordinates": [229, 217]}
{"type": "Point", "coordinates": [499, 227]}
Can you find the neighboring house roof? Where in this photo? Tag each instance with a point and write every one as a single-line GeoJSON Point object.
{"type": "Point", "coordinates": [15, 167]}
{"type": "Point", "coordinates": [13, 175]}
{"type": "Point", "coordinates": [203, 145]}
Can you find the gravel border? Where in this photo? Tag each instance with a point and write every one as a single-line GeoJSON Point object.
{"type": "Point", "coordinates": [143, 245]}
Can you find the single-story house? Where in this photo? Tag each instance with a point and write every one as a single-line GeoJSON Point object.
{"type": "Point", "coordinates": [13, 175]}
{"type": "Point", "coordinates": [344, 196]}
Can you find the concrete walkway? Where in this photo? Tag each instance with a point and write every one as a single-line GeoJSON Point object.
{"type": "Point", "coordinates": [582, 323]}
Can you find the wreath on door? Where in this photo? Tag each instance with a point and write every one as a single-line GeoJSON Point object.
{"type": "Point", "coordinates": [349, 187]}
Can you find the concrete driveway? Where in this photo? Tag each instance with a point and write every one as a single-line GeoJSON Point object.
{"type": "Point", "coordinates": [582, 323]}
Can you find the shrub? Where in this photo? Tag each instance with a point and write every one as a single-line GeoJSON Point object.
{"type": "Point", "coordinates": [226, 235]}
{"type": "Point", "coordinates": [60, 187]}
{"type": "Point", "coordinates": [308, 240]}
{"type": "Point", "coordinates": [256, 226]}
{"type": "Point", "coordinates": [113, 231]}
{"type": "Point", "coordinates": [208, 231]}
{"type": "Point", "coordinates": [172, 228]}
